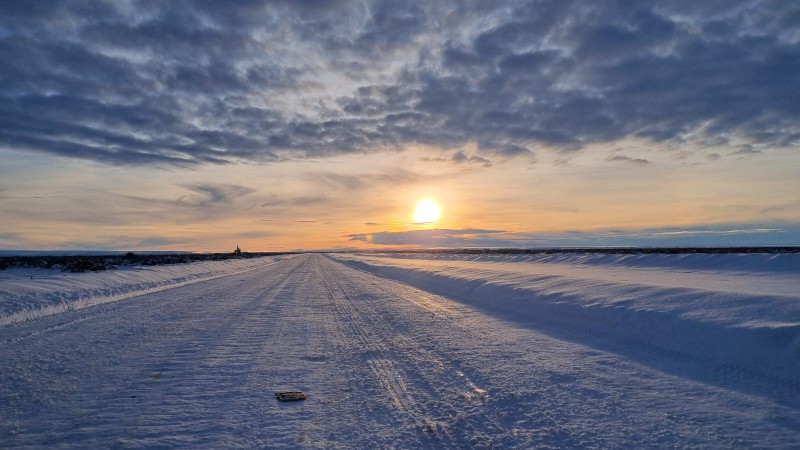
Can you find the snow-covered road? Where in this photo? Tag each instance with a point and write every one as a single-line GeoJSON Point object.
{"type": "Point", "coordinates": [386, 365]}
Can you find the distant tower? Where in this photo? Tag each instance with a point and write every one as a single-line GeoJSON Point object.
{"type": "Point", "coordinates": [238, 251]}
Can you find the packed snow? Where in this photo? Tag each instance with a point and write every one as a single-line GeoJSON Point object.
{"type": "Point", "coordinates": [407, 351]}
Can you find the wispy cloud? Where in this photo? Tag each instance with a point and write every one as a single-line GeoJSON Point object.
{"type": "Point", "coordinates": [745, 150]}
{"type": "Point", "coordinates": [303, 200]}
{"type": "Point", "coordinates": [205, 195]}
{"type": "Point", "coordinates": [431, 238]}
{"type": "Point", "coordinates": [720, 235]}
{"type": "Point", "coordinates": [628, 159]}
{"type": "Point", "coordinates": [349, 181]}
{"type": "Point", "coordinates": [461, 157]}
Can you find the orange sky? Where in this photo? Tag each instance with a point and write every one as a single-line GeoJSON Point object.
{"type": "Point", "coordinates": [321, 204]}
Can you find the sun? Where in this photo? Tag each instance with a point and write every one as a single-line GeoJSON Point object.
{"type": "Point", "coordinates": [427, 211]}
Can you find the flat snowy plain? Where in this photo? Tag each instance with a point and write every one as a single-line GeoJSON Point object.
{"type": "Point", "coordinates": [407, 351]}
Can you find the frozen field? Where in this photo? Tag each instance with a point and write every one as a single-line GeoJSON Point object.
{"type": "Point", "coordinates": [444, 351]}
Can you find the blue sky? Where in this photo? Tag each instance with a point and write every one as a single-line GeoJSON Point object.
{"type": "Point", "coordinates": [309, 124]}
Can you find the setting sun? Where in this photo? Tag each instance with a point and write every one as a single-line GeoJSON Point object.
{"type": "Point", "coordinates": [427, 211]}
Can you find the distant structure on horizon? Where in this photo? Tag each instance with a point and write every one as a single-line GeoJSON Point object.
{"type": "Point", "coordinates": [238, 251]}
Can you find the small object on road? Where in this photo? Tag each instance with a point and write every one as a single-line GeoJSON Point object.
{"type": "Point", "coordinates": [290, 396]}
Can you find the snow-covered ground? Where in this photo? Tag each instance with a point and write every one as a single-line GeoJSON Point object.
{"type": "Point", "coordinates": [729, 308]}
{"type": "Point", "coordinates": [27, 294]}
{"type": "Point", "coordinates": [441, 351]}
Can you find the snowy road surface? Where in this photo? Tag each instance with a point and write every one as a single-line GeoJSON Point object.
{"type": "Point", "coordinates": [386, 365]}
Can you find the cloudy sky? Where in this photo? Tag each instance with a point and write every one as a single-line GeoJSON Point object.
{"type": "Point", "coordinates": [277, 125]}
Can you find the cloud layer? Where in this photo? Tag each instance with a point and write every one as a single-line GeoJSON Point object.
{"type": "Point", "coordinates": [708, 236]}
{"type": "Point", "coordinates": [186, 83]}
{"type": "Point", "coordinates": [429, 238]}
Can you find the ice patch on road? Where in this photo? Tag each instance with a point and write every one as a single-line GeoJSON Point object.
{"type": "Point", "coordinates": [27, 294]}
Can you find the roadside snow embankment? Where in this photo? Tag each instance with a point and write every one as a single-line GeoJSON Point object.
{"type": "Point", "coordinates": [27, 294]}
{"type": "Point", "coordinates": [737, 311]}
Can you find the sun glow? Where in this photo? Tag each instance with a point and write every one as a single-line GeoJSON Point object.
{"type": "Point", "coordinates": [427, 211]}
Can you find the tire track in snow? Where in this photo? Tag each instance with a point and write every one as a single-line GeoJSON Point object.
{"type": "Point", "coordinates": [263, 348]}
{"type": "Point", "coordinates": [378, 359]}
{"type": "Point", "coordinates": [423, 384]}
{"type": "Point", "coordinates": [296, 353]}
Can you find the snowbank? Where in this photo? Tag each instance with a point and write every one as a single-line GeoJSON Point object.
{"type": "Point", "coordinates": [27, 294]}
{"type": "Point", "coordinates": [735, 310]}
{"type": "Point", "coordinates": [744, 262]}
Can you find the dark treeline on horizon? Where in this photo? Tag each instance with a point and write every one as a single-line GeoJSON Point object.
{"type": "Point", "coordinates": [605, 250]}
{"type": "Point", "coordinates": [84, 263]}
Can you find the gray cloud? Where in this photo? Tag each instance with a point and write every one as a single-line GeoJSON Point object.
{"type": "Point", "coordinates": [303, 200]}
{"type": "Point", "coordinates": [732, 234]}
{"type": "Point", "coordinates": [187, 83]}
{"type": "Point", "coordinates": [206, 195]}
{"type": "Point", "coordinates": [335, 180]}
{"type": "Point", "coordinates": [338, 181]}
{"type": "Point", "coordinates": [628, 159]}
{"type": "Point", "coordinates": [461, 157]}
{"type": "Point", "coordinates": [431, 238]}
